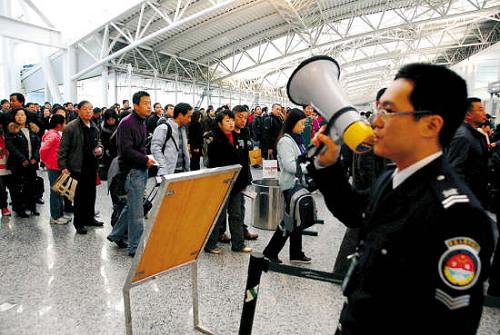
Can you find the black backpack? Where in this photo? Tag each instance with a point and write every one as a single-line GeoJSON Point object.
{"type": "Point", "coordinates": [150, 138]}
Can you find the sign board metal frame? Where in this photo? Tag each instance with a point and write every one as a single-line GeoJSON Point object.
{"type": "Point", "coordinates": [149, 224]}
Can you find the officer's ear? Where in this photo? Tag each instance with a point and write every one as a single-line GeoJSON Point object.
{"type": "Point", "coordinates": [431, 126]}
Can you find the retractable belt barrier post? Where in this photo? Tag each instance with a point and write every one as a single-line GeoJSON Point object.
{"type": "Point", "coordinates": [259, 263]}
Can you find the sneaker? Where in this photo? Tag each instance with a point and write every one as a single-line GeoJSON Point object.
{"type": "Point", "coordinates": [303, 259]}
{"type": "Point", "coordinates": [60, 220]}
{"type": "Point", "coordinates": [5, 211]}
{"type": "Point", "coordinates": [67, 218]}
{"type": "Point", "coordinates": [244, 249]}
{"type": "Point", "coordinates": [214, 251]}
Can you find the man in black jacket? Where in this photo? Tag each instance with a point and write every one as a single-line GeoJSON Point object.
{"type": "Point", "coordinates": [257, 126]}
{"type": "Point", "coordinates": [271, 127]}
{"type": "Point", "coordinates": [244, 146]}
{"type": "Point", "coordinates": [425, 241]}
{"type": "Point", "coordinates": [77, 155]}
{"type": "Point", "coordinates": [468, 151]}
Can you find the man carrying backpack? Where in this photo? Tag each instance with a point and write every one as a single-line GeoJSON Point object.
{"type": "Point", "coordinates": [169, 144]}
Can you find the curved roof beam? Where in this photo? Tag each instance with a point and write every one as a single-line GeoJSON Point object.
{"type": "Point", "coordinates": [152, 35]}
{"type": "Point", "coordinates": [406, 26]}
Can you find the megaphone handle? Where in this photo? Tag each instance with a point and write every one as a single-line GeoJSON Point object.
{"type": "Point", "coordinates": [313, 151]}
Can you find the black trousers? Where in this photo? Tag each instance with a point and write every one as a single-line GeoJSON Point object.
{"type": "Point", "coordinates": [494, 280]}
{"type": "Point", "coordinates": [195, 161]}
{"type": "Point", "coordinates": [23, 197]}
{"type": "Point", "coordinates": [5, 182]}
{"type": "Point", "coordinates": [85, 196]}
{"type": "Point", "coordinates": [279, 238]}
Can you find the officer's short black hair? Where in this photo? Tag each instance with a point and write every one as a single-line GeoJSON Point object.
{"type": "Point", "coordinates": [470, 103]}
{"type": "Point", "coordinates": [220, 115]}
{"type": "Point", "coordinates": [239, 109]}
{"type": "Point", "coordinates": [380, 93]}
{"type": "Point", "coordinates": [156, 104]}
{"type": "Point", "coordinates": [4, 101]}
{"type": "Point", "coordinates": [439, 90]}
{"type": "Point", "coordinates": [136, 98]}
{"type": "Point", "coordinates": [124, 101]}
{"type": "Point", "coordinates": [19, 97]}
{"type": "Point", "coordinates": [55, 120]}
{"type": "Point", "coordinates": [182, 108]}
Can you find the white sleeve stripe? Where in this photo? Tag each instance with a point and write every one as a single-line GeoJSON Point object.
{"type": "Point", "coordinates": [455, 202]}
{"type": "Point", "coordinates": [450, 302]}
{"type": "Point", "coordinates": [454, 197]}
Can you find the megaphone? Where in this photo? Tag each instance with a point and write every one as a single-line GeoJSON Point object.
{"type": "Point", "coordinates": [315, 82]}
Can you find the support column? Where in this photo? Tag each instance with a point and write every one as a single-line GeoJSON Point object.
{"type": "Point", "coordinates": [112, 87]}
{"type": "Point", "coordinates": [51, 82]}
{"type": "Point", "coordinates": [155, 87]}
{"type": "Point", "coordinates": [69, 69]}
{"type": "Point", "coordinates": [129, 81]}
{"type": "Point", "coordinates": [104, 86]}
{"type": "Point", "coordinates": [176, 88]}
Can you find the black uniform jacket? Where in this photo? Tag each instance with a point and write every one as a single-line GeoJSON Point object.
{"type": "Point", "coordinates": [468, 155]}
{"type": "Point", "coordinates": [424, 252]}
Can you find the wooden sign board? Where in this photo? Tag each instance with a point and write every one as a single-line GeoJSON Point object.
{"type": "Point", "coordinates": [183, 214]}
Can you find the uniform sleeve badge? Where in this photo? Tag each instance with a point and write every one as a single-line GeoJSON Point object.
{"type": "Point", "coordinates": [460, 265]}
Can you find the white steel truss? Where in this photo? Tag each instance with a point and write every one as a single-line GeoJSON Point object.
{"type": "Point", "coordinates": [444, 32]}
{"type": "Point", "coordinates": [253, 45]}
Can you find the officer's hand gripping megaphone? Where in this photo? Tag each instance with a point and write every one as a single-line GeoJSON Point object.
{"type": "Point", "coordinates": [315, 82]}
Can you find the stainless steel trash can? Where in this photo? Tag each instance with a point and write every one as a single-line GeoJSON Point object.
{"type": "Point", "coordinates": [268, 205]}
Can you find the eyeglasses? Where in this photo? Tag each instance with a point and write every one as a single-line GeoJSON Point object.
{"type": "Point", "coordinates": [385, 115]}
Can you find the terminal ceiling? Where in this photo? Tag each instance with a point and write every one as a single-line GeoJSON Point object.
{"type": "Point", "coordinates": [254, 45]}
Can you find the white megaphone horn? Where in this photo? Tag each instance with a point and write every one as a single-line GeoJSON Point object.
{"type": "Point", "coordinates": [315, 82]}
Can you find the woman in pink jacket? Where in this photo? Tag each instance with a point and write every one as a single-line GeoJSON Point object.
{"type": "Point", "coordinates": [48, 155]}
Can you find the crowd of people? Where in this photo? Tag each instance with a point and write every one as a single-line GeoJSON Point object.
{"type": "Point", "coordinates": [145, 139]}
{"type": "Point", "coordinates": [418, 232]}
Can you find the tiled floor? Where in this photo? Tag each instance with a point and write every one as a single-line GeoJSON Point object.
{"type": "Point", "coordinates": [53, 281]}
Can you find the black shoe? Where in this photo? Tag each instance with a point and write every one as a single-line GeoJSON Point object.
{"type": "Point", "coordinates": [81, 230]}
{"type": "Point", "coordinates": [224, 238]}
{"type": "Point", "coordinates": [40, 201]}
{"type": "Point", "coordinates": [302, 259]}
{"type": "Point", "coordinates": [250, 236]}
{"type": "Point", "coordinates": [274, 259]}
{"type": "Point", "coordinates": [35, 213]}
{"type": "Point", "coordinates": [120, 243]}
{"type": "Point", "coordinates": [131, 253]}
{"type": "Point", "coordinates": [95, 223]}
{"type": "Point", "coordinates": [22, 214]}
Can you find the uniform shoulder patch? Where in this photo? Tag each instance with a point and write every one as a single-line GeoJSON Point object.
{"type": "Point", "coordinates": [459, 266]}
{"type": "Point", "coordinates": [448, 194]}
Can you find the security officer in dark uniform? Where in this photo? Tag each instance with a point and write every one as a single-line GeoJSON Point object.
{"type": "Point", "coordinates": [426, 242]}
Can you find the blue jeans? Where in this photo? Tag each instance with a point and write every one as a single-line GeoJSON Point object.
{"type": "Point", "coordinates": [131, 221]}
{"type": "Point", "coordinates": [56, 200]}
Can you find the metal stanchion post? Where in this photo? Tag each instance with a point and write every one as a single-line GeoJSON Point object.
{"type": "Point", "coordinates": [257, 264]}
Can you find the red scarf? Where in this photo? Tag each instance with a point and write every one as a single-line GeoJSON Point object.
{"type": "Point", "coordinates": [230, 137]}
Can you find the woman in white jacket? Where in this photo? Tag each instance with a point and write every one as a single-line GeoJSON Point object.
{"type": "Point", "coordinates": [290, 146]}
